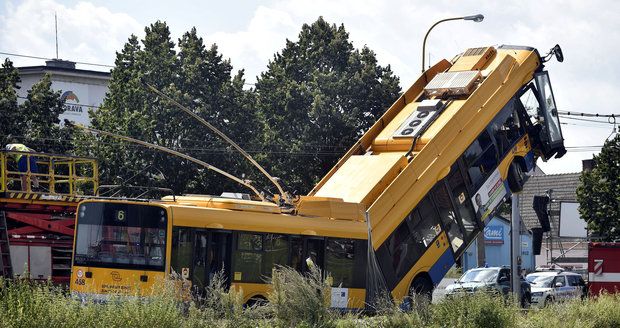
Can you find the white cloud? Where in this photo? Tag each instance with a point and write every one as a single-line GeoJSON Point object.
{"type": "Point", "coordinates": [86, 32]}
{"type": "Point", "coordinates": [589, 33]}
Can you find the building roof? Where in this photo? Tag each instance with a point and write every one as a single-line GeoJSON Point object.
{"type": "Point", "coordinates": [563, 188]}
{"type": "Point", "coordinates": [63, 71]}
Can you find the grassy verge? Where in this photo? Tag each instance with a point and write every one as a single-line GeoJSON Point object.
{"type": "Point", "coordinates": [297, 301]}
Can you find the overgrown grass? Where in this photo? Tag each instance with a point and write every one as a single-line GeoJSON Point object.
{"type": "Point", "coordinates": [296, 301]}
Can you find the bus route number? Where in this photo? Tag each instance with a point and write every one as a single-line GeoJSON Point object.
{"type": "Point", "coordinates": [120, 215]}
{"type": "Point", "coordinates": [80, 281]}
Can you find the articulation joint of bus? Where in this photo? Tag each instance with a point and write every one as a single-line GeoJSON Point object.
{"type": "Point", "coordinates": [413, 192]}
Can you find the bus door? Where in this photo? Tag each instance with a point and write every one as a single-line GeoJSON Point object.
{"type": "Point", "coordinates": [219, 255]}
{"type": "Point", "coordinates": [457, 186]}
{"type": "Point", "coordinates": [211, 255]}
{"type": "Point", "coordinates": [314, 249]}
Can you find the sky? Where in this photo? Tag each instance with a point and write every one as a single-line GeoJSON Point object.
{"type": "Point", "coordinates": [250, 32]}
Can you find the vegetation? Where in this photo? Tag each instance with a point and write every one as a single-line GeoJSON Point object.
{"type": "Point", "coordinates": [599, 193]}
{"type": "Point", "coordinates": [297, 301]}
{"type": "Point", "coordinates": [34, 121]}
{"type": "Point", "coordinates": [317, 97]}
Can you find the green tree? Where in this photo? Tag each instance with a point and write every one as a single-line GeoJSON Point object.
{"type": "Point", "coordinates": [599, 193]}
{"type": "Point", "coordinates": [35, 122]}
{"type": "Point", "coordinates": [316, 99]}
{"type": "Point", "coordinates": [195, 76]}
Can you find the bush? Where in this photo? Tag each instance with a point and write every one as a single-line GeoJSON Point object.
{"type": "Point", "coordinates": [300, 299]}
{"type": "Point", "coordinates": [477, 310]}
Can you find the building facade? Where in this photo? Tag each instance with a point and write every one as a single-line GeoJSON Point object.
{"type": "Point", "coordinates": [82, 90]}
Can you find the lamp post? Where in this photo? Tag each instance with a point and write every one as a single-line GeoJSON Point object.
{"type": "Point", "coordinates": [476, 18]}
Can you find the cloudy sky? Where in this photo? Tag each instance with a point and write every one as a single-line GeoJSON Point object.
{"type": "Point", "coordinates": [249, 32]}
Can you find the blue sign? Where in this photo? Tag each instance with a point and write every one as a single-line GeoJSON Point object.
{"type": "Point", "coordinates": [494, 235]}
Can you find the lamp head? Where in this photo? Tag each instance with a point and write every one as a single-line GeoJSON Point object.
{"type": "Point", "coordinates": [476, 18]}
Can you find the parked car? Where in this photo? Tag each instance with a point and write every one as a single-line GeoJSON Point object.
{"type": "Point", "coordinates": [494, 279]}
{"type": "Point", "coordinates": [555, 286]}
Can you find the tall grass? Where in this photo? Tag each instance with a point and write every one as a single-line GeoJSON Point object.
{"type": "Point", "coordinates": [297, 300]}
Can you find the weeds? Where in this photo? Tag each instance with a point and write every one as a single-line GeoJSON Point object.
{"type": "Point", "coordinates": [297, 300]}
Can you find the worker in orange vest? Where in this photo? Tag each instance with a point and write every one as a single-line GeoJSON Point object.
{"type": "Point", "coordinates": [22, 164]}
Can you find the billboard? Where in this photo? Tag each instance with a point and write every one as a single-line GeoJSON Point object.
{"type": "Point", "coordinates": [79, 98]}
{"type": "Point", "coordinates": [571, 223]}
{"type": "Point", "coordinates": [489, 196]}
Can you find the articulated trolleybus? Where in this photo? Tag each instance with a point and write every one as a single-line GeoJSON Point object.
{"type": "Point", "coordinates": [422, 182]}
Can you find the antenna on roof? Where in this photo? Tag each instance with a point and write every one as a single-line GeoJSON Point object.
{"type": "Point", "coordinates": [175, 153]}
{"type": "Point", "coordinates": [56, 31]}
{"type": "Point", "coordinates": [284, 195]}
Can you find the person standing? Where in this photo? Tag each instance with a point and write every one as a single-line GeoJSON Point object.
{"type": "Point", "coordinates": [22, 161]}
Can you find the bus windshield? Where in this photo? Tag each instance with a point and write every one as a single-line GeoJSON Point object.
{"type": "Point", "coordinates": [114, 235]}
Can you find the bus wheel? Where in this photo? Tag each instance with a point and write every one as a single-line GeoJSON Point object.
{"type": "Point", "coordinates": [516, 177]}
{"type": "Point", "coordinates": [421, 290]}
{"type": "Point", "coordinates": [256, 301]}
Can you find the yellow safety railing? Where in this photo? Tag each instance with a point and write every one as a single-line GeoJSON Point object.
{"type": "Point", "coordinates": [54, 174]}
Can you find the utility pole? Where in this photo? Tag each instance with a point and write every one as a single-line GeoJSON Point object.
{"type": "Point", "coordinates": [515, 234]}
{"type": "Point", "coordinates": [56, 32]}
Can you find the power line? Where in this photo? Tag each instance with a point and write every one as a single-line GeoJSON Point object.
{"type": "Point", "coordinates": [45, 58]}
{"type": "Point", "coordinates": [561, 112]}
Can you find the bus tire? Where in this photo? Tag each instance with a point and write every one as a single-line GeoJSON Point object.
{"type": "Point", "coordinates": [256, 301]}
{"type": "Point", "coordinates": [516, 177]}
{"type": "Point", "coordinates": [421, 289]}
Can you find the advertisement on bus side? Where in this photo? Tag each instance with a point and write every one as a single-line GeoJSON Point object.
{"type": "Point", "coordinates": [489, 196]}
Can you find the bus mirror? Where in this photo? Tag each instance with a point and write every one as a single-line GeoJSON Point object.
{"type": "Point", "coordinates": [558, 53]}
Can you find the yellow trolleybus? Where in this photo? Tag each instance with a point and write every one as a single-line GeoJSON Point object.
{"type": "Point", "coordinates": [422, 182]}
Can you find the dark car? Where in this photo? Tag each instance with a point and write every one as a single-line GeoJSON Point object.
{"type": "Point", "coordinates": [489, 279]}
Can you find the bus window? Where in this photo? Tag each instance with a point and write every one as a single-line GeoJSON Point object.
{"type": "Point", "coordinates": [403, 249]}
{"type": "Point", "coordinates": [314, 250]}
{"type": "Point", "coordinates": [200, 260]}
{"type": "Point", "coordinates": [247, 258]}
{"type": "Point", "coordinates": [218, 254]}
{"type": "Point", "coordinates": [461, 198]}
{"type": "Point", "coordinates": [121, 236]}
{"type": "Point", "coordinates": [506, 128]}
{"type": "Point", "coordinates": [531, 104]}
{"type": "Point", "coordinates": [427, 227]}
{"type": "Point", "coordinates": [181, 249]}
{"type": "Point", "coordinates": [480, 159]}
{"type": "Point", "coordinates": [276, 253]}
{"type": "Point", "coordinates": [550, 113]}
{"type": "Point", "coordinates": [448, 216]}
{"type": "Point", "coordinates": [339, 261]}
{"type": "Point", "coordinates": [296, 253]}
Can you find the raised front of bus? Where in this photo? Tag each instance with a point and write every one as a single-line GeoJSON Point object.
{"type": "Point", "coordinates": [119, 249]}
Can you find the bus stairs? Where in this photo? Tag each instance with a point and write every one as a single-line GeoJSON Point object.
{"type": "Point", "coordinates": [6, 270]}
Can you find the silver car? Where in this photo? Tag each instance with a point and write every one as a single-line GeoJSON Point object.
{"type": "Point", "coordinates": [553, 286]}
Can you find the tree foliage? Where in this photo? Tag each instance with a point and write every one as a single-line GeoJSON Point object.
{"type": "Point", "coordinates": [599, 193]}
{"type": "Point", "coordinates": [35, 121]}
{"type": "Point", "coordinates": [195, 76]}
{"type": "Point", "coordinates": [316, 99]}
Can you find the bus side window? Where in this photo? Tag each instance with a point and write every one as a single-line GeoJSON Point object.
{"type": "Point", "coordinates": [480, 159]}
{"type": "Point", "coordinates": [448, 215]}
{"type": "Point", "coordinates": [506, 127]}
{"type": "Point", "coordinates": [296, 253]}
{"type": "Point", "coordinates": [276, 253]}
{"type": "Point", "coordinates": [339, 261]}
{"type": "Point", "coordinates": [464, 207]}
{"type": "Point", "coordinates": [248, 258]}
{"type": "Point", "coordinates": [181, 249]}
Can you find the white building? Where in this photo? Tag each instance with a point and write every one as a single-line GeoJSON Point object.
{"type": "Point", "coordinates": [81, 89]}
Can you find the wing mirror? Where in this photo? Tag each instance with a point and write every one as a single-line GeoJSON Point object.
{"type": "Point", "coordinates": [559, 284]}
{"type": "Point", "coordinates": [557, 51]}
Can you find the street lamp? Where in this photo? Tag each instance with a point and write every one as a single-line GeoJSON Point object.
{"type": "Point", "coordinates": [476, 18]}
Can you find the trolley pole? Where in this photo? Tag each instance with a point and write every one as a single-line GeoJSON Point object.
{"type": "Point", "coordinates": [515, 233]}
